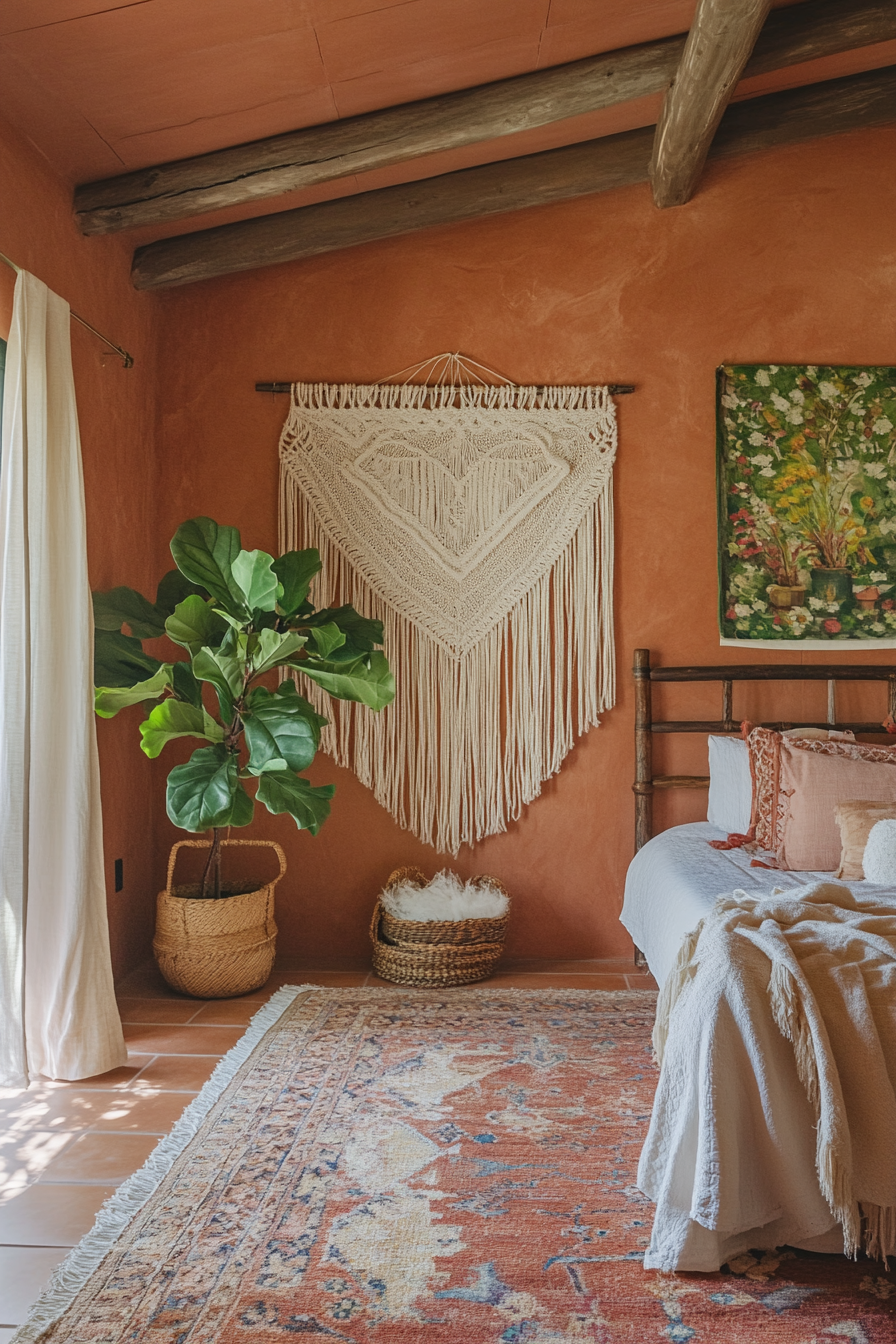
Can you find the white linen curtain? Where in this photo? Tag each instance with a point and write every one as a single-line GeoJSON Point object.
{"type": "Point", "coordinates": [58, 1008]}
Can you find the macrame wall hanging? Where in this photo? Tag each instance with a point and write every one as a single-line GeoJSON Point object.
{"type": "Point", "coordinates": [475, 521]}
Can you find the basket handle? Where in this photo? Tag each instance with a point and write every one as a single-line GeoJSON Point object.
{"type": "Point", "coordinates": [207, 844]}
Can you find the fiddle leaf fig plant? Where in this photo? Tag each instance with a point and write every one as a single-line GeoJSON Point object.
{"type": "Point", "coordinates": [239, 617]}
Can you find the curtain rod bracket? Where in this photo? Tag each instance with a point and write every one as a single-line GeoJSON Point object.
{"type": "Point", "coordinates": [127, 360]}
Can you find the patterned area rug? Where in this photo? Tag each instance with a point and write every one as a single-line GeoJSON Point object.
{"type": "Point", "coordinates": [454, 1167]}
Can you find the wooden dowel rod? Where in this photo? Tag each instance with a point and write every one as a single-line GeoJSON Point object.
{"type": "Point", "coordinates": [681, 781]}
{"type": "Point", "coordinates": [614, 389]}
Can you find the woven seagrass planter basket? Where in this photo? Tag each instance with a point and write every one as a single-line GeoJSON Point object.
{"type": "Point", "coordinates": [215, 949]}
{"type": "Point", "coordinates": [435, 952]}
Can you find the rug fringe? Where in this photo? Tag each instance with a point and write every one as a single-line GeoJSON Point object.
{"type": "Point", "coordinates": [116, 1214]}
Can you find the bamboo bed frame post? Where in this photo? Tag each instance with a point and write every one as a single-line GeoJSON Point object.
{"type": "Point", "coordinates": [643, 785]}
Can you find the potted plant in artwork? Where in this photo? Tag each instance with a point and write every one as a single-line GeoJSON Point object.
{"type": "Point", "coordinates": [807, 499]}
{"type": "Point", "coordinates": [834, 532]}
{"type": "Point", "coordinates": [762, 535]}
{"type": "Point", "coordinates": [239, 620]}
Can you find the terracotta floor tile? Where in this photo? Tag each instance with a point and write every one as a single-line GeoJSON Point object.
{"type": "Point", "coordinates": [177, 1073]}
{"type": "Point", "coordinates": [24, 1156]}
{"type": "Point", "coordinates": [24, 1272]}
{"type": "Point", "coordinates": [180, 1040]}
{"type": "Point", "coordinates": [118, 1078]}
{"type": "Point", "coordinates": [613, 966]}
{"type": "Point", "coordinates": [146, 982]}
{"type": "Point", "coordinates": [99, 1159]}
{"type": "Point", "coordinates": [54, 1109]}
{"type": "Point", "coordinates": [141, 1112]}
{"type": "Point", "coordinates": [277, 981]}
{"type": "Point", "coordinates": [227, 1012]}
{"type": "Point", "coordinates": [63, 1109]}
{"type": "Point", "coordinates": [639, 980]}
{"type": "Point", "coordinates": [51, 1215]}
{"type": "Point", "coordinates": [302, 968]}
{"type": "Point", "coordinates": [158, 1010]}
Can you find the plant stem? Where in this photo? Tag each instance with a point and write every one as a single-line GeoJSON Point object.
{"type": "Point", "coordinates": [212, 867]}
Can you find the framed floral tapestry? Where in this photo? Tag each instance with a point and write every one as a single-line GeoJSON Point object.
{"type": "Point", "coordinates": [807, 505]}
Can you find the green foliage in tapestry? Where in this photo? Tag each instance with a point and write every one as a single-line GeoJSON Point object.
{"type": "Point", "coordinates": [807, 502]}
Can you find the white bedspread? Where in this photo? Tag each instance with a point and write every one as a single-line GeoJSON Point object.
{"type": "Point", "coordinates": [730, 1160]}
{"type": "Point", "coordinates": [674, 880]}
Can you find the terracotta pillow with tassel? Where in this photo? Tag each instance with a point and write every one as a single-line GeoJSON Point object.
{"type": "Point", "coordinates": [798, 784]}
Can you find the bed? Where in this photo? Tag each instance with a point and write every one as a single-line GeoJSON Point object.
{"type": "Point", "coordinates": [730, 1159]}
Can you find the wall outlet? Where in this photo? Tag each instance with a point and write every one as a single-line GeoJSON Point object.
{"type": "Point", "coordinates": [119, 874]}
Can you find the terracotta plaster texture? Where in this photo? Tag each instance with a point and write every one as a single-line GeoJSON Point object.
{"type": "Point", "coordinates": [787, 256]}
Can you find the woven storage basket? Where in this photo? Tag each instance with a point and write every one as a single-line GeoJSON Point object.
{"type": "Point", "coordinates": [435, 952]}
{"type": "Point", "coordinates": [215, 949]}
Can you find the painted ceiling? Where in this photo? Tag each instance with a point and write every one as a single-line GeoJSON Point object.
{"type": "Point", "coordinates": [102, 87]}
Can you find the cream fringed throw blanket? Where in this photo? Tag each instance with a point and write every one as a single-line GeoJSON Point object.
{"type": "Point", "coordinates": [476, 523]}
{"type": "Point", "coordinates": [776, 1031]}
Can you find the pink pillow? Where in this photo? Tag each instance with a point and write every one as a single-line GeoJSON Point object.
{"type": "Point", "coordinates": [812, 785]}
{"type": "Point", "coordinates": [770, 803]}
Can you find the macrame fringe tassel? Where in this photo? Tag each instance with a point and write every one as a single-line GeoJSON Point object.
{"type": "Point", "coordinates": [121, 1208]}
{"type": "Point", "coordinates": [469, 741]}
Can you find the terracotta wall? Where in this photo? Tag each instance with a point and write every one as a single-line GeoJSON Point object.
{"type": "Point", "coordinates": [787, 256]}
{"type": "Point", "coordinates": [117, 410]}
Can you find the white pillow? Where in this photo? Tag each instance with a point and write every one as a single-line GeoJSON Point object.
{"type": "Point", "coordinates": [730, 785]}
{"type": "Point", "coordinates": [879, 859]}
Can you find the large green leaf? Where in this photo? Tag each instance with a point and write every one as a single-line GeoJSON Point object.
{"type": "Point", "coordinates": [257, 581]}
{"type": "Point", "coordinates": [225, 671]}
{"type": "Point", "coordinates": [295, 570]}
{"type": "Point", "coordinates": [173, 718]}
{"type": "Point", "coordinates": [125, 606]}
{"type": "Point", "coordinates": [185, 685]}
{"type": "Point", "coordinates": [206, 791]}
{"type": "Point", "coordinates": [282, 730]}
{"type": "Point", "coordinates": [173, 588]}
{"type": "Point", "coordinates": [368, 681]}
{"type": "Point", "coordinates": [309, 806]}
{"type": "Point", "coordinates": [194, 624]}
{"type": "Point", "coordinates": [108, 700]}
{"type": "Point", "coordinates": [272, 649]}
{"type": "Point", "coordinates": [326, 638]}
{"type": "Point", "coordinates": [205, 553]}
{"type": "Point", "coordinates": [119, 660]}
{"type": "Point", "coordinates": [361, 633]}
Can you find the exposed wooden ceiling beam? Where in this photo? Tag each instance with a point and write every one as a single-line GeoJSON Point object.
{"type": "Point", "coordinates": [496, 188]}
{"type": "Point", "coordinates": [267, 168]}
{"type": "Point", "coordinates": [719, 45]}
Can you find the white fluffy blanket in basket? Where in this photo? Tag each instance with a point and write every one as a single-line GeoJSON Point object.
{"type": "Point", "coordinates": [446, 897]}
{"type": "Point", "coordinates": [775, 1111]}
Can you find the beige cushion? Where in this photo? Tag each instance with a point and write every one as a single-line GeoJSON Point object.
{"type": "Point", "coordinates": [812, 785]}
{"type": "Point", "coordinates": [855, 819]}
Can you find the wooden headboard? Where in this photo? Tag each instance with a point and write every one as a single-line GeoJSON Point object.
{"type": "Point", "coordinates": [645, 724]}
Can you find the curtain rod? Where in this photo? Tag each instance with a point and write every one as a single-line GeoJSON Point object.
{"type": "Point", "coordinates": [614, 389]}
{"type": "Point", "coordinates": [126, 359]}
